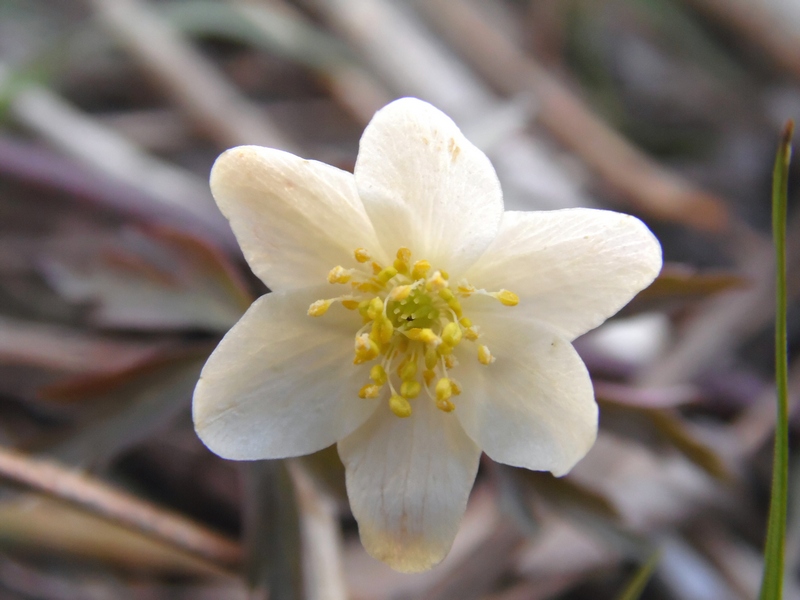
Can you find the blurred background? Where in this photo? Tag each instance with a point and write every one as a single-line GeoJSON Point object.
{"type": "Point", "coordinates": [118, 276]}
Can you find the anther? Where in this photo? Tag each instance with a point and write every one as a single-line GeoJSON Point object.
{"type": "Point", "coordinates": [369, 391]}
{"type": "Point", "coordinates": [361, 255]}
{"type": "Point", "coordinates": [506, 297]}
{"type": "Point", "coordinates": [428, 375]}
{"type": "Point", "coordinates": [403, 258]}
{"type": "Point", "coordinates": [366, 349]}
{"type": "Point", "coordinates": [378, 374]}
{"type": "Point", "coordinates": [350, 304]}
{"type": "Point", "coordinates": [401, 292]}
{"type": "Point", "coordinates": [319, 308]}
{"type": "Point", "coordinates": [386, 274]}
{"type": "Point", "coordinates": [436, 282]}
{"type": "Point", "coordinates": [410, 389]}
{"type": "Point", "coordinates": [444, 389]}
{"type": "Point", "coordinates": [339, 275]}
{"type": "Point", "coordinates": [421, 267]}
{"type": "Point", "coordinates": [451, 334]}
{"type": "Point", "coordinates": [485, 356]}
{"type": "Point", "coordinates": [400, 406]}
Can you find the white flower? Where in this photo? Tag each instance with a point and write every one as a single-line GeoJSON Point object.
{"type": "Point", "coordinates": [391, 329]}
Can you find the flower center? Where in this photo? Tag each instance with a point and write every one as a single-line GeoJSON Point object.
{"type": "Point", "coordinates": [412, 322]}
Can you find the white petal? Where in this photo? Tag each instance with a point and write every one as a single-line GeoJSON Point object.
{"type": "Point", "coordinates": [534, 406]}
{"type": "Point", "coordinates": [571, 268]}
{"type": "Point", "coordinates": [425, 186]}
{"type": "Point", "coordinates": [282, 383]}
{"type": "Point", "coordinates": [408, 481]}
{"type": "Point", "coordinates": [295, 219]}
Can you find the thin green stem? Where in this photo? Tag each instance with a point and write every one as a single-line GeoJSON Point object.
{"type": "Point", "coordinates": [772, 581]}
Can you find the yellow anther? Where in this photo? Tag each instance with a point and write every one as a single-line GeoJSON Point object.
{"type": "Point", "coordinates": [319, 308]}
{"type": "Point", "coordinates": [429, 337]}
{"type": "Point", "coordinates": [374, 308]}
{"type": "Point", "coordinates": [450, 361]}
{"type": "Point", "coordinates": [410, 389]}
{"type": "Point", "coordinates": [455, 387]}
{"type": "Point", "coordinates": [376, 268]}
{"type": "Point", "coordinates": [465, 322]}
{"type": "Point", "coordinates": [378, 374]}
{"type": "Point", "coordinates": [339, 275]}
{"type": "Point", "coordinates": [408, 369]}
{"type": "Point", "coordinates": [401, 292]}
{"type": "Point", "coordinates": [436, 282]}
{"type": "Point", "coordinates": [431, 357]}
{"type": "Point", "coordinates": [366, 349]}
{"type": "Point", "coordinates": [428, 376]}
{"type": "Point", "coordinates": [451, 335]}
{"type": "Point", "coordinates": [465, 289]}
{"type": "Point", "coordinates": [445, 274]}
{"type": "Point", "coordinates": [444, 349]}
{"type": "Point", "coordinates": [386, 274]}
{"type": "Point", "coordinates": [444, 389]}
{"type": "Point", "coordinates": [506, 297]}
{"type": "Point", "coordinates": [485, 356]}
{"type": "Point", "coordinates": [382, 329]}
{"type": "Point", "coordinates": [367, 286]}
{"type": "Point", "coordinates": [445, 406]}
{"type": "Point", "coordinates": [361, 255]}
{"type": "Point", "coordinates": [400, 406]}
{"type": "Point", "coordinates": [446, 294]}
{"type": "Point", "coordinates": [471, 333]}
{"type": "Point", "coordinates": [403, 258]}
{"type": "Point", "coordinates": [350, 304]}
{"type": "Point", "coordinates": [369, 391]}
{"type": "Point", "coordinates": [421, 267]}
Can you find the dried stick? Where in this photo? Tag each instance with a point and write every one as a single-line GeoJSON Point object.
{"type": "Point", "coordinates": [214, 105]}
{"type": "Point", "coordinates": [650, 188]}
{"type": "Point", "coordinates": [763, 27]}
{"type": "Point", "coordinates": [99, 498]}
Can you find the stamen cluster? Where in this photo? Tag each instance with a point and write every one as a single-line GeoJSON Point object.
{"type": "Point", "coordinates": [412, 322]}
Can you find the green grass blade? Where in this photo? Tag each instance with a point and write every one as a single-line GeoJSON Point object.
{"type": "Point", "coordinates": [637, 584]}
{"type": "Point", "coordinates": [772, 581]}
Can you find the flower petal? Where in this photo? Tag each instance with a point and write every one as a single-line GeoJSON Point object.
{"type": "Point", "coordinates": [408, 481]}
{"type": "Point", "coordinates": [281, 383]}
{"type": "Point", "coordinates": [571, 268]}
{"type": "Point", "coordinates": [425, 186]}
{"type": "Point", "coordinates": [534, 406]}
{"type": "Point", "coordinates": [295, 219]}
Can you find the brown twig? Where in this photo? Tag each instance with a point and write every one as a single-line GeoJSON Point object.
{"type": "Point", "coordinates": [215, 106]}
{"type": "Point", "coordinates": [763, 28]}
{"type": "Point", "coordinates": [649, 187]}
{"type": "Point", "coordinates": [101, 499]}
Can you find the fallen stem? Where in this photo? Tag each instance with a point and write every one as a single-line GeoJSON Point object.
{"type": "Point", "coordinates": [117, 506]}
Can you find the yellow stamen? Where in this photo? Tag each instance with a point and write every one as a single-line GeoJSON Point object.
{"type": "Point", "coordinates": [339, 275]}
{"type": "Point", "coordinates": [436, 282]}
{"type": "Point", "coordinates": [400, 406]}
{"type": "Point", "coordinates": [408, 369]}
{"type": "Point", "coordinates": [401, 292]}
{"type": "Point", "coordinates": [455, 387]}
{"type": "Point", "coordinates": [431, 358]}
{"type": "Point", "coordinates": [386, 274]}
{"type": "Point", "coordinates": [375, 308]}
{"type": "Point", "coordinates": [485, 356]}
{"type": "Point", "coordinates": [366, 349]}
{"type": "Point", "coordinates": [410, 389]}
{"type": "Point", "coordinates": [451, 335]}
{"type": "Point", "coordinates": [506, 297]}
{"type": "Point", "coordinates": [361, 255]}
{"type": "Point", "coordinates": [369, 391]}
{"type": "Point", "coordinates": [421, 267]}
{"type": "Point", "coordinates": [350, 304]}
{"type": "Point", "coordinates": [403, 259]}
{"type": "Point", "coordinates": [444, 389]}
{"type": "Point", "coordinates": [378, 374]}
{"type": "Point", "coordinates": [465, 289]}
{"type": "Point", "coordinates": [319, 308]}
{"type": "Point", "coordinates": [428, 375]}
{"type": "Point", "coordinates": [450, 361]}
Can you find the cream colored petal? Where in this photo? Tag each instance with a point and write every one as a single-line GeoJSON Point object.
{"type": "Point", "coordinates": [534, 406]}
{"type": "Point", "coordinates": [282, 383]}
{"type": "Point", "coordinates": [408, 481]}
{"type": "Point", "coordinates": [425, 186]}
{"type": "Point", "coordinates": [571, 268]}
{"type": "Point", "coordinates": [295, 219]}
